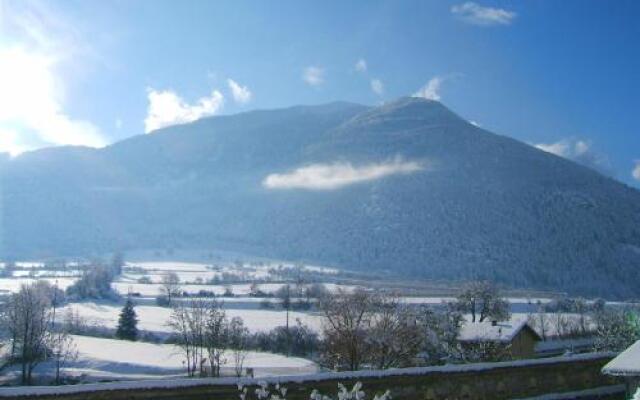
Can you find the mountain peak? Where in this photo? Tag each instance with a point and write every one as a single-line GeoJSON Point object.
{"type": "Point", "coordinates": [408, 111]}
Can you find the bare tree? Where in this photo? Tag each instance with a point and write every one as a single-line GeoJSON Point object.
{"type": "Point", "coordinates": [347, 319]}
{"type": "Point", "coordinates": [63, 350]}
{"type": "Point", "coordinates": [187, 325]}
{"type": "Point", "coordinates": [441, 329]}
{"type": "Point", "coordinates": [284, 294]}
{"type": "Point", "coordinates": [28, 317]}
{"type": "Point", "coordinates": [581, 308]}
{"type": "Point", "coordinates": [616, 329]}
{"type": "Point", "coordinates": [200, 329]}
{"type": "Point", "coordinates": [483, 300]}
{"type": "Point", "coordinates": [170, 286]}
{"type": "Point", "coordinates": [561, 324]}
{"type": "Point", "coordinates": [486, 351]}
{"type": "Point", "coordinates": [215, 336]}
{"type": "Point", "coordinates": [238, 337]}
{"type": "Point", "coordinates": [394, 337]}
{"type": "Point", "coordinates": [540, 321]}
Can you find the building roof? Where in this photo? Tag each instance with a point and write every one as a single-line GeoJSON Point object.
{"type": "Point", "coordinates": [626, 364]}
{"type": "Point", "coordinates": [489, 332]}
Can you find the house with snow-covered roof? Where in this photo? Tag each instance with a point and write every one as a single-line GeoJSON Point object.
{"type": "Point", "coordinates": [627, 366]}
{"type": "Point", "coordinates": [518, 336]}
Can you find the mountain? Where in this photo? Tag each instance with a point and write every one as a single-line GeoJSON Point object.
{"type": "Point", "coordinates": [408, 187]}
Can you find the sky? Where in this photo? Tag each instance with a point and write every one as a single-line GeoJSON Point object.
{"type": "Point", "coordinates": [560, 75]}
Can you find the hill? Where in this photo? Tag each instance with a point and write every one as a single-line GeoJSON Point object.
{"type": "Point", "coordinates": [408, 187]}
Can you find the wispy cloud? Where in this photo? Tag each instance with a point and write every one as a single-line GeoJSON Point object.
{"type": "Point", "coordinates": [338, 175]}
{"type": "Point", "coordinates": [314, 76]}
{"type": "Point", "coordinates": [431, 90]}
{"type": "Point", "coordinates": [476, 14]}
{"type": "Point", "coordinates": [636, 171]}
{"type": "Point", "coordinates": [580, 151]}
{"type": "Point", "coordinates": [377, 86]}
{"type": "Point", "coordinates": [36, 43]}
{"type": "Point", "coordinates": [361, 65]}
{"type": "Point", "coordinates": [567, 148]}
{"type": "Point", "coordinates": [241, 94]}
{"type": "Point", "coordinates": [167, 108]}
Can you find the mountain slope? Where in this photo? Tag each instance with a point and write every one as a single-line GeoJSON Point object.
{"type": "Point", "coordinates": [414, 190]}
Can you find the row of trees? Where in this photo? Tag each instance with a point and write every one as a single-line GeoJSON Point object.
{"type": "Point", "coordinates": [361, 329]}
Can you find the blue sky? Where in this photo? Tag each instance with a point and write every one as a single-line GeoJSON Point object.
{"type": "Point", "coordinates": [560, 74]}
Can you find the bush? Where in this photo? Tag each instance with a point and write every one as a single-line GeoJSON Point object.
{"type": "Point", "coordinates": [95, 283]}
{"type": "Point", "coordinates": [163, 301]}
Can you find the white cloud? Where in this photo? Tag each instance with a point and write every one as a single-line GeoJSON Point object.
{"type": "Point", "coordinates": [166, 108]}
{"type": "Point", "coordinates": [118, 123]}
{"type": "Point", "coordinates": [338, 175]}
{"type": "Point", "coordinates": [377, 86]}
{"type": "Point", "coordinates": [636, 171]}
{"type": "Point", "coordinates": [560, 148]}
{"type": "Point", "coordinates": [567, 148]}
{"type": "Point", "coordinates": [361, 65]}
{"type": "Point", "coordinates": [10, 142]}
{"type": "Point", "coordinates": [241, 94]}
{"type": "Point", "coordinates": [431, 90]}
{"type": "Point", "coordinates": [476, 14]}
{"type": "Point", "coordinates": [314, 76]}
{"type": "Point", "coordinates": [580, 151]}
{"type": "Point", "coordinates": [37, 45]}
{"type": "Point", "coordinates": [31, 105]}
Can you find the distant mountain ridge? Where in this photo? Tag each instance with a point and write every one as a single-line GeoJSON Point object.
{"type": "Point", "coordinates": [421, 192]}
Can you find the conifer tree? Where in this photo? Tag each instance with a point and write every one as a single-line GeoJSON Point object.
{"type": "Point", "coordinates": [128, 322]}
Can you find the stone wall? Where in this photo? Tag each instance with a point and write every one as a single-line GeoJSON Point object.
{"type": "Point", "coordinates": [508, 380]}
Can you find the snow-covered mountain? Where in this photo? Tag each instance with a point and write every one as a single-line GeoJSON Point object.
{"type": "Point", "coordinates": [408, 187]}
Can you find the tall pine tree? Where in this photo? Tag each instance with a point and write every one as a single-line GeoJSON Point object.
{"type": "Point", "coordinates": [128, 322]}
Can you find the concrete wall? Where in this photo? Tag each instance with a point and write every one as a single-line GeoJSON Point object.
{"type": "Point", "coordinates": [509, 380]}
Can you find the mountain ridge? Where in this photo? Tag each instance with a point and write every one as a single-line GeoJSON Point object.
{"type": "Point", "coordinates": [487, 206]}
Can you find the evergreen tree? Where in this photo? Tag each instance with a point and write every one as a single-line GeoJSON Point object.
{"type": "Point", "coordinates": [128, 322]}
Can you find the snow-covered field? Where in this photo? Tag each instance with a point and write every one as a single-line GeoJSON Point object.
{"type": "Point", "coordinates": [109, 359]}
{"type": "Point", "coordinates": [154, 318]}
{"type": "Point", "coordinates": [13, 284]}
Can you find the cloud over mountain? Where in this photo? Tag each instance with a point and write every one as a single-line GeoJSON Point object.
{"type": "Point", "coordinates": [339, 174]}
{"type": "Point", "coordinates": [167, 108]}
{"type": "Point", "coordinates": [431, 91]}
{"type": "Point", "coordinates": [636, 171]}
{"type": "Point", "coordinates": [241, 94]}
{"type": "Point", "coordinates": [580, 151]}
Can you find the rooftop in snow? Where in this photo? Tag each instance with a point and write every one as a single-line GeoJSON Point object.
{"type": "Point", "coordinates": [490, 331]}
{"type": "Point", "coordinates": [626, 364]}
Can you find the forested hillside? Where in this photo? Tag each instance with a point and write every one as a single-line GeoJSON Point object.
{"type": "Point", "coordinates": [408, 188]}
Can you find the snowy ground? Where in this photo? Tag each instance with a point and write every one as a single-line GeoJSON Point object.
{"type": "Point", "coordinates": [109, 359]}
{"type": "Point", "coordinates": [154, 318]}
{"type": "Point", "coordinates": [269, 274]}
